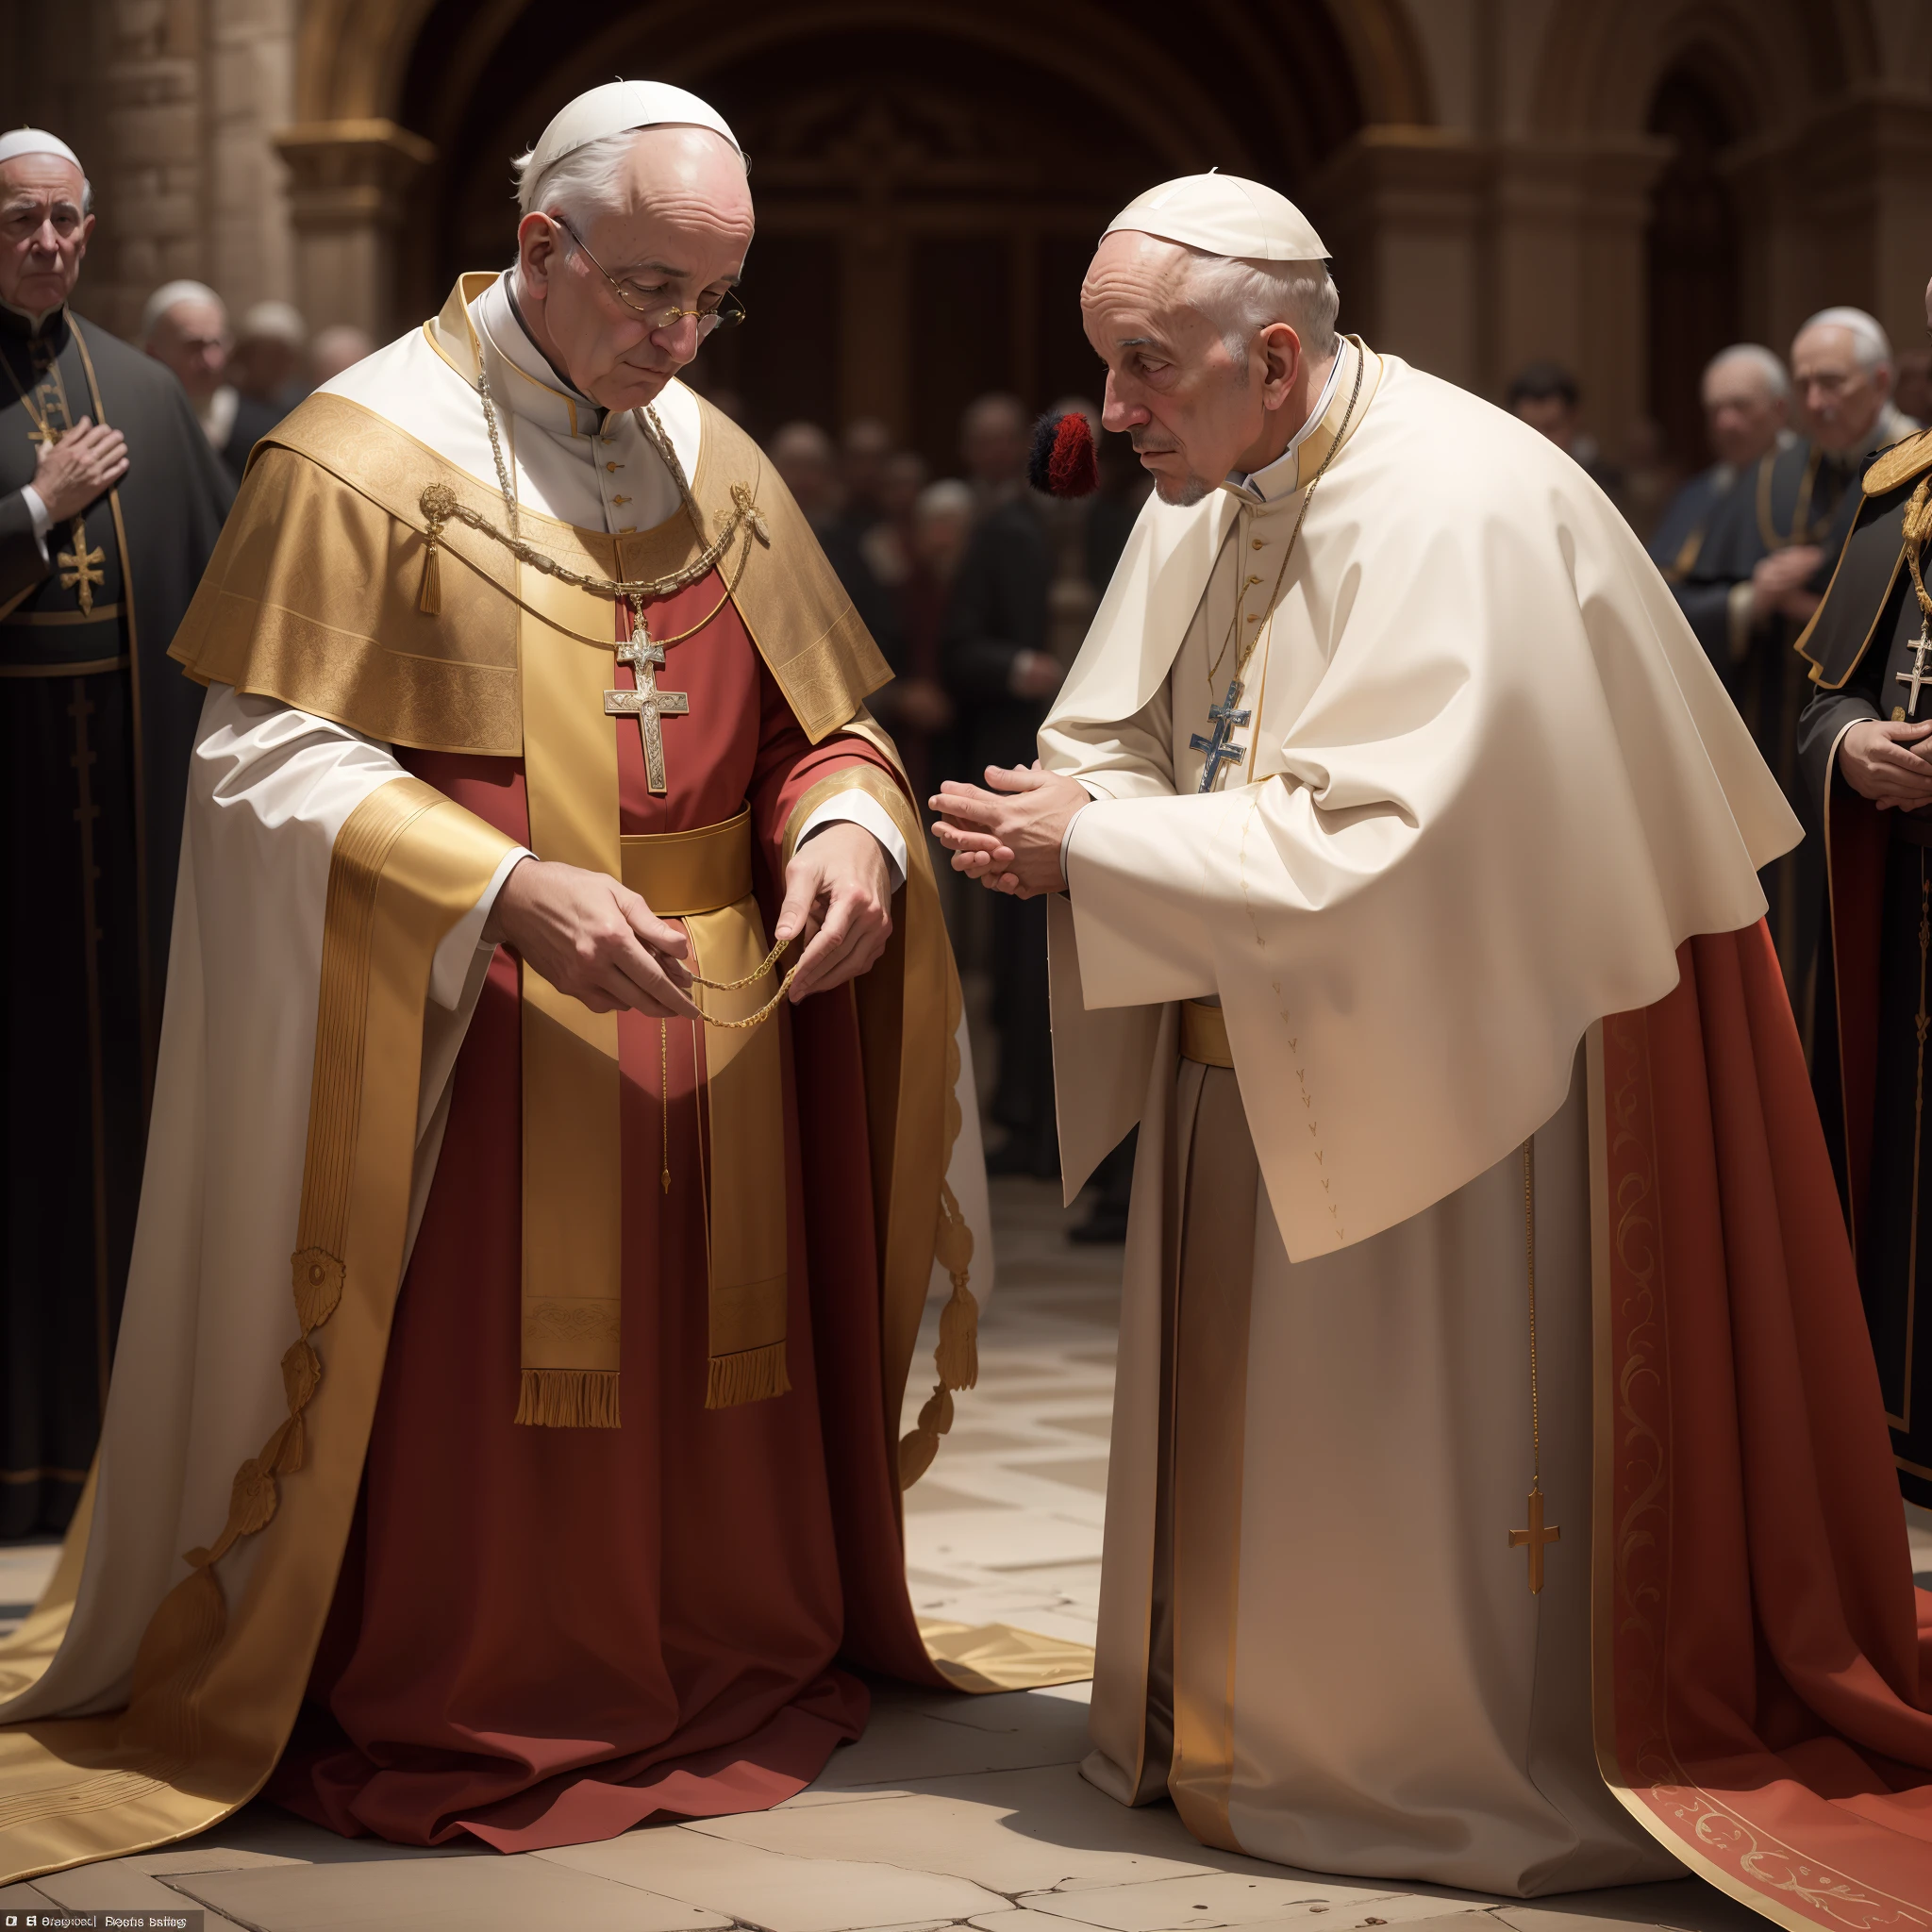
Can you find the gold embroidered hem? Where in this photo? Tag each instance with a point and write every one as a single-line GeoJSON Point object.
{"type": "Point", "coordinates": [216, 1685]}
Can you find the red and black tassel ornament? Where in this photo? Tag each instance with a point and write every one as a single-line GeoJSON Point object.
{"type": "Point", "coordinates": [1062, 463]}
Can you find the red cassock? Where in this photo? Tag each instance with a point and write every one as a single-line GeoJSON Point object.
{"type": "Point", "coordinates": [543, 1637]}
{"type": "Point", "coordinates": [1763, 1660]}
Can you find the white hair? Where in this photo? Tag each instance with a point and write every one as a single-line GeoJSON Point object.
{"type": "Point", "coordinates": [1767, 363]}
{"type": "Point", "coordinates": [581, 185]}
{"type": "Point", "coordinates": [1245, 297]}
{"type": "Point", "coordinates": [1870, 343]}
{"type": "Point", "coordinates": [171, 295]}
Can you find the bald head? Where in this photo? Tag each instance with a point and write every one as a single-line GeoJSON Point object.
{"type": "Point", "coordinates": [629, 242]}
{"type": "Point", "coordinates": [44, 227]}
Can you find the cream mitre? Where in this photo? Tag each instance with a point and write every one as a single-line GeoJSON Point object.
{"type": "Point", "coordinates": [1223, 214]}
{"type": "Point", "coordinates": [616, 108]}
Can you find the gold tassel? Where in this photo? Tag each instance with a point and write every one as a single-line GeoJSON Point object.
{"type": "Point", "coordinates": [753, 1374]}
{"type": "Point", "coordinates": [429, 598]}
{"type": "Point", "coordinates": [568, 1399]}
{"type": "Point", "coordinates": [957, 1357]}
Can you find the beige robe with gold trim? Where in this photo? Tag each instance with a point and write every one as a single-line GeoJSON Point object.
{"type": "Point", "coordinates": [1490, 784]}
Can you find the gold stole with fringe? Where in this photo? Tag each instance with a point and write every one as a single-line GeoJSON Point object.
{"type": "Point", "coordinates": [573, 1169]}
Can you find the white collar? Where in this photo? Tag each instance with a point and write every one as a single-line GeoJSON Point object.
{"type": "Point", "coordinates": [542, 397]}
{"type": "Point", "coordinates": [1282, 477]}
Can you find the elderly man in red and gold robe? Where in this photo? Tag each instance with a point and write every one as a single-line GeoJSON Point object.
{"type": "Point", "coordinates": [533, 713]}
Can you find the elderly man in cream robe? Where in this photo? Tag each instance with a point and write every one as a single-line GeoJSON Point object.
{"type": "Point", "coordinates": [1388, 770]}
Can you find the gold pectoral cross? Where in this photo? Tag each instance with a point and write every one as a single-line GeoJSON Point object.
{"type": "Point", "coordinates": [1918, 676]}
{"type": "Point", "coordinates": [1535, 1538]}
{"type": "Point", "coordinates": [80, 568]}
{"type": "Point", "coordinates": [647, 704]}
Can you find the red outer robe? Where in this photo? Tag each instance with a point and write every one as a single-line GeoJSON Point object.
{"type": "Point", "coordinates": [543, 1637]}
{"type": "Point", "coordinates": [1764, 1661]}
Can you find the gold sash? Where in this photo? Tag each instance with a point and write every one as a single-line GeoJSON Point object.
{"type": "Point", "coordinates": [1204, 1034]}
{"type": "Point", "coordinates": [704, 878]}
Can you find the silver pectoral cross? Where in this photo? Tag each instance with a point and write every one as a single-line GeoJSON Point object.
{"type": "Point", "coordinates": [1918, 676]}
{"type": "Point", "coordinates": [1220, 749]}
{"type": "Point", "coordinates": [647, 704]}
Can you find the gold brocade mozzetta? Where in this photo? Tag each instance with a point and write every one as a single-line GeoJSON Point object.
{"type": "Point", "coordinates": [217, 1684]}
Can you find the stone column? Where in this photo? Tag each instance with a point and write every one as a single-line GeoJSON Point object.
{"type": "Point", "coordinates": [347, 185]}
{"type": "Point", "coordinates": [1402, 209]}
{"type": "Point", "coordinates": [145, 158]}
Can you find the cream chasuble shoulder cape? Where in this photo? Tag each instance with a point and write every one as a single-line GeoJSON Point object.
{"type": "Point", "coordinates": [293, 765]}
{"type": "Point", "coordinates": [1492, 784]}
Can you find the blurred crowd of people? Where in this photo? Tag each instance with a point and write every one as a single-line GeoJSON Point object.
{"type": "Point", "coordinates": [1749, 541]}
{"type": "Point", "coordinates": [978, 590]}
{"type": "Point", "coordinates": [243, 377]}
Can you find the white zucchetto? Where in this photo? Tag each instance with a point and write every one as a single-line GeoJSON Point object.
{"type": "Point", "coordinates": [617, 107]}
{"type": "Point", "coordinates": [35, 140]}
{"type": "Point", "coordinates": [1223, 214]}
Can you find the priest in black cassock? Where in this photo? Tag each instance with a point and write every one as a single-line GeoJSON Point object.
{"type": "Point", "coordinates": [1746, 395]}
{"type": "Point", "coordinates": [1758, 579]}
{"type": "Point", "coordinates": [1865, 738]}
{"type": "Point", "coordinates": [110, 501]}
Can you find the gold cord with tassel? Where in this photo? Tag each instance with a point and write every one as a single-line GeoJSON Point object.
{"type": "Point", "coordinates": [957, 1357]}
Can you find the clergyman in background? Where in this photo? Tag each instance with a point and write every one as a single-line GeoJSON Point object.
{"type": "Point", "coordinates": [1864, 739]}
{"type": "Point", "coordinates": [1747, 398]}
{"type": "Point", "coordinates": [111, 502]}
{"type": "Point", "coordinates": [1765, 562]}
{"type": "Point", "coordinates": [184, 326]}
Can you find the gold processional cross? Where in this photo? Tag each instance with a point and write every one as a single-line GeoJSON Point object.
{"type": "Point", "coordinates": [646, 704]}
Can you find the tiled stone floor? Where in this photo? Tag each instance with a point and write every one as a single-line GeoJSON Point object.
{"type": "Point", "coordinates": [950, 1811]}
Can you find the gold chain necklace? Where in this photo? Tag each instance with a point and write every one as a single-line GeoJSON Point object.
{"type": "Point", "coordinates": [1223, 717]}
{"type": "Point", "coordinates": [440, 504]}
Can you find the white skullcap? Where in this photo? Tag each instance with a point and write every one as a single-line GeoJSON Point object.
{"type": "Point", "coordinates": [1221, 215]}
{"type": "Point", "coordinates": [35, 140]}
{"type": "Point", "coordinates": [275, 322]}
{"type": "Point", "coordinates": [1873, 345]}
{"type": "Point", "coordinates": [168, 294]}
{"type": "Point", "coordinates": [617, 107]}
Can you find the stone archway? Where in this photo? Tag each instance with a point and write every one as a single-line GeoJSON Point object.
{"type": "Point", "coordinates": [980, 140]}
{"type": "Point", "coordinates": [930, 176]}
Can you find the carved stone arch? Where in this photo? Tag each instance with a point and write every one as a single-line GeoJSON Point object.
{"type": "Point", "coordinates": [1772, 59]}
{"type": "Point", "coordinates": [1391, 72]}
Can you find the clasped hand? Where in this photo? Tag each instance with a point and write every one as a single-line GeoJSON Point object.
{"type": "Point", "coordinates": [1887, 764]}
{"type": "Point", "coordinates": [600, 942]}
{"type": "Point", "coordinates": [1009, 838]}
